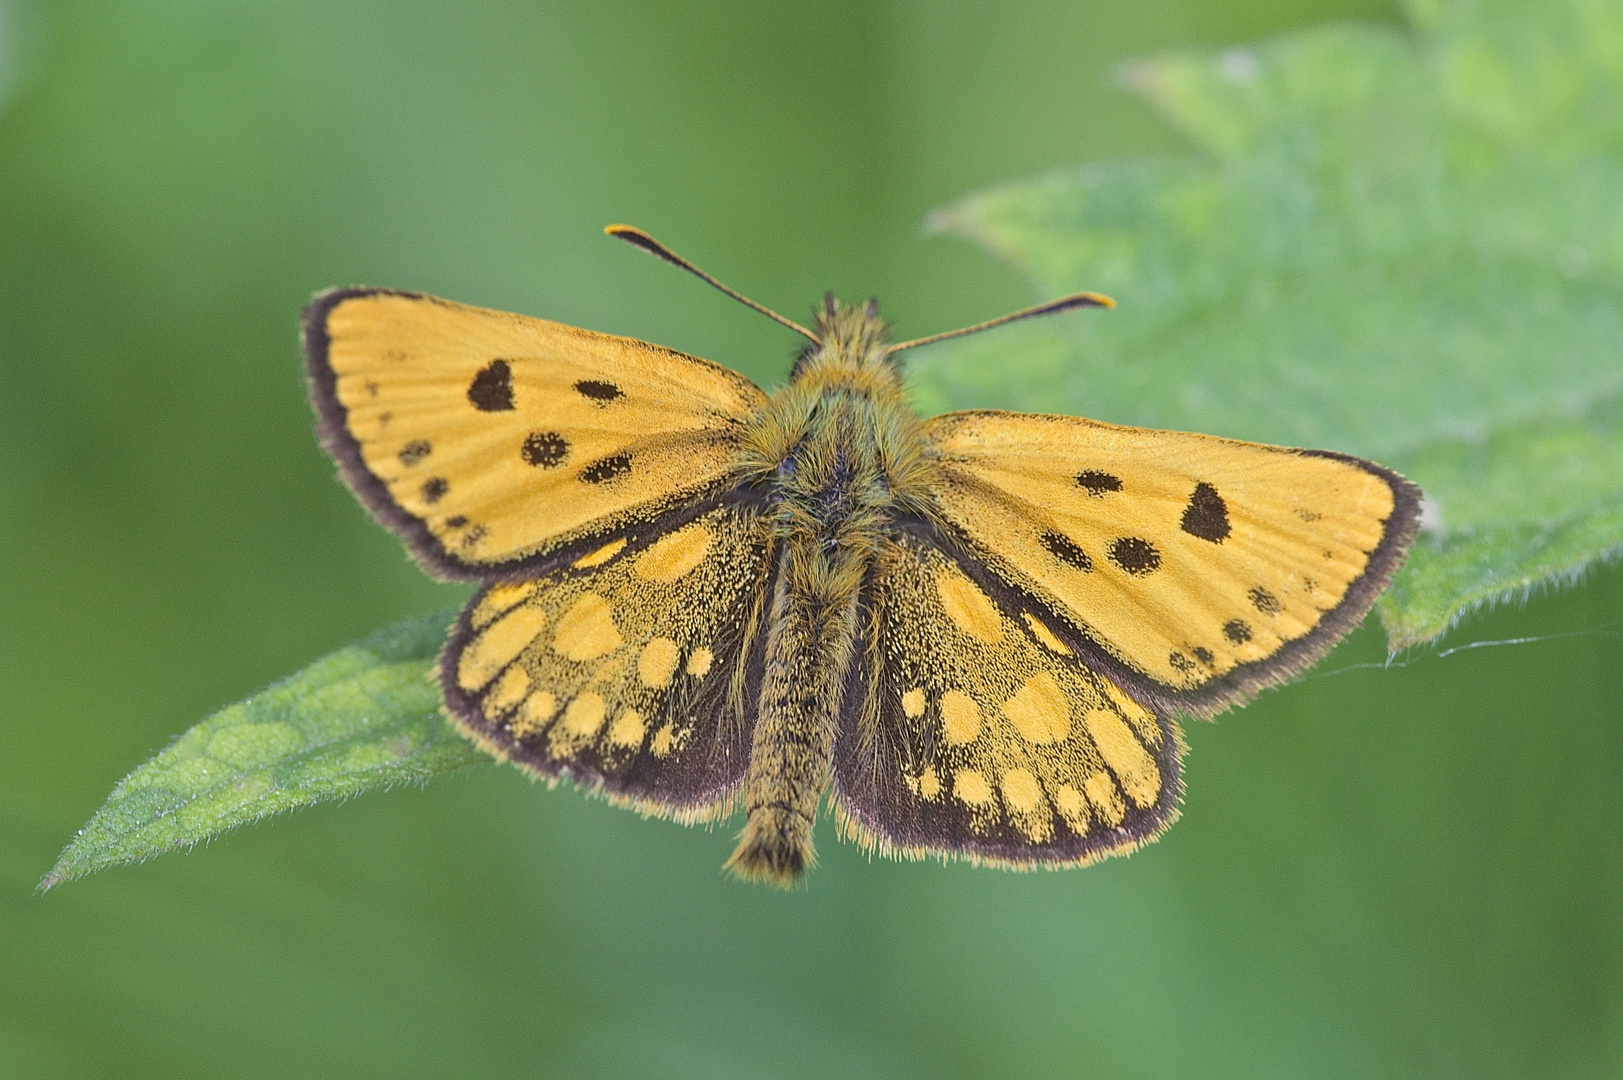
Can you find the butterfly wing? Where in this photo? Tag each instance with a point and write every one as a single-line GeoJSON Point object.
{"type": "Point", "coordinates": [1193, 568]}
{"type": "Point", "coordinates": [635, 669]}
{"type": "Point", "coordinates": [493, 441]}
{"type": "Point", "coordinates": [972, 730]}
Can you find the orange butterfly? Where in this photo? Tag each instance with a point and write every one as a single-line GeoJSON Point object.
{"type": "Point", "coordinates": [980, 627]}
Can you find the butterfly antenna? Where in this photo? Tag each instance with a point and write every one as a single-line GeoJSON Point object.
{"type": "Point", "coordinates": [641, 239]}
{"type": "Point", "coordinates": [1064, 303]}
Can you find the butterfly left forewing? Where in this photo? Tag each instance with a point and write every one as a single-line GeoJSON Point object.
{"type": "Point", "coordinates": [490, 440]}
{"type": "Point", "coordinates": [971, 730]}
{"type": "Point", "coordinates": [629, 670]}
{"type": "Point", "coordinates": [1194, 567]}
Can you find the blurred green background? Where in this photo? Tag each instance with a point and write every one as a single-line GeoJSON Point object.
{"type": "Point", "coordinates": [1405, 872]}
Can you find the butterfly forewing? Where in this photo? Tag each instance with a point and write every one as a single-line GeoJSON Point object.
{"type": "Point", "coordinates": [488, 439]}
{"type": "Point", "coordinates": [972, 730]}
{"type": "Point", "coordinates": [629, 668]}
{"type": "Point", "coordinates": [1203, 567]}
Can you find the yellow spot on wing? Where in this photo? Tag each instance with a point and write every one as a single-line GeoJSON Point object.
{"type": "Point", "coordinates": [497, 646]}
{"type": "Point", "coordinates": [929, 784]}
{"type": "Point", "coordinates": [1024, 797]}
{"type": "Point", "coordinates": [1142, 719]}
{"type": "Point", "coordinates": [1038, 710]}
{"type": "Point", "coordinates": [508, 691]}
{"type": "Point", "coordinates": [584, 716]}
{"type": "Point", "coordinates": [1021, 791]}
{"type": "Point", "coordinates": [699, 663]}
{"type": "Point", "coordinates": [535, 714]}
{"type": "Point", "coordinates": [971, 787]}
{"type": "Point", "coordinates": [601, 555]}
{"type": "Point", "coordinates": [587, 631]}
{"type": "Point", "coordinates": [960, 717]}
{"type": "Point", "coordinates": [1102, 794]}
{"type": "Point", "coordinates": [1132, 765]}
{"type": "Point", "coordinates": [1040, 631]}
{"type": "Point", "coordinates": [1072, 808]}
{"type": "Point", "coordinates": [668, 740]}
{"type": "Point", "coordinates": [499, 599]}
{"type": "Point", "coordinates": [672, 556]}
{"type": "Point", "coordinates": [657, 662]}
{"type": "Point", "coordinates": [971, 610]}
{"type": "Point", "coordinates": [628, 729]}
{"type": "Point", "coordinates": [913, 703]}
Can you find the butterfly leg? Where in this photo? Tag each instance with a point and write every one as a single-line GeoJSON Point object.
{"type": "Point", "coordinates": [808, 654]}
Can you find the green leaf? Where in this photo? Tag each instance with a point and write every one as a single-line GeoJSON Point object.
{"type": "Point", "coordinates": [1406, 246]}
{"type": "Point", "coordinates": [363, 717]}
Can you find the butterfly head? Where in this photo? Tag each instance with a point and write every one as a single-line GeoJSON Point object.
{"type": "Point", "coordinates": [849, 338]}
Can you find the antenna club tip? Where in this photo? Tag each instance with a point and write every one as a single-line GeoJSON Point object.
{"type": "Point", "coordinates": [1094, 299]}
{"type": "Point", "coordinates": [633, 235]}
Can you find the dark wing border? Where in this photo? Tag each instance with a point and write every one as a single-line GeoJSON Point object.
{"type": "Point", "coordinates": [334, 435]}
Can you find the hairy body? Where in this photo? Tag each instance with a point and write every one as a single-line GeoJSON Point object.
{"type": "Point", "coordinates": [841, 458]}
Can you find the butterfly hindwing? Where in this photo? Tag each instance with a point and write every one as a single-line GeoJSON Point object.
{"type": "Point", "coordinates": [1197, 568]}
{"type": "Point", "coordinates": [971, 730]}
{"type": "Point", "coordinates": [633, 669]}
{"type": "Point", "coordinates": [492, 441]}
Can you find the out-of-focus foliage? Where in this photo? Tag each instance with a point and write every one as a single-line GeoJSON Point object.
{"type": "Point", "coordinates": [1404, 245]}
{"type": "Point", "coordinates": [365, 717]}
{"type": "Point", "coordinates": [1378, 873]}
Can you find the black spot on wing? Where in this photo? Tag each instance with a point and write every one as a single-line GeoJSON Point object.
{"type": "Point", "coordinates": [1265, 601]}
{"type": "Point", "coordinates": [1237, 631]}
{"type": "Point", "coordinates": [455, 521]}
{"type": "Point", "coordinates": [1206, 516]}
{"type": "Point", "coordinates": [414, 451]}
{"type": "Point", "coordinates": [492, 389]}
{"type": "Point", "coordinates": [599, 391]}
{"type": "Point", "coordinates": [1203, 654]}
{"type": "Point", "coordinates": [1181, 662]}
{"type": "Point", "coordinates": [1065, 549]}
{"type": "Point", "coordinates": [606, 469]}
{"type": "Point", "coordinates": [434, 489]}
{"type": "Point", "coordinates": [1135, 555]}
{"type": "Point", "coordinates": [544, 449]}
{"type": "Point", "coordinates": [1098, 483]}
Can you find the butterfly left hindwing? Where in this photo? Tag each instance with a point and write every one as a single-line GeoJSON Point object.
{"type": "Point", "coordinates": [972, 730]}
{"type": "Point", "coordinates": [628, 670]}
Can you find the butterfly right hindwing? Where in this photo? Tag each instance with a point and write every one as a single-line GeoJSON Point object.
{"type": "Point", "coordinates": [972, 730]}
{"type": "Point", "coordinates": [629, 669]}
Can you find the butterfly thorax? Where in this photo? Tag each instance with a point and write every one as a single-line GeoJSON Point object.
{"type": "Point", "coordinates": [838, 453]}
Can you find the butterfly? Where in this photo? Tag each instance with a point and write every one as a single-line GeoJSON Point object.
{"type": "Point", "coordinates": [975, 632]}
